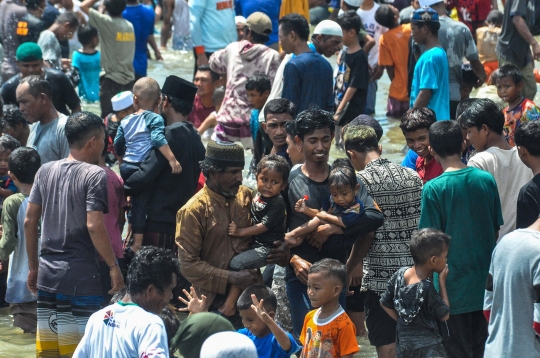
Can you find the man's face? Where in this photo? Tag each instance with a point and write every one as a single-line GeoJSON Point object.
{"type": "Point", "coordinates": [418, 141]}
{"type": "Point", "coordinates": [329, 46]}
{"type": "Point", "coordinates": [286, 41]}
{"type": "Point", "coordinates": [228, 181]}
{"type": "Point", "coordinates": [419, 33]}
{"type": "Point", "coordinates": [31, 107]}
{"type": "Point", "coordinates": [316, 145]}
{"type": "Point", "coordinates": [257, 99]}
{"type": "Point", "coordinates": [156, 300]}
{"type": "Point", "coordinates": [240, 31]}
{"type": "Point", "coordinates": [274, 126]}
{"type": "Point", "coordinates": [30, 68]}
{"type": "Point", "coordinates": [203, 81]}
{"type": "Point", "coordinates": [477, 138]}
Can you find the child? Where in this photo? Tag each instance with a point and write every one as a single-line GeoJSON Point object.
{"type": "Point", "coordinates": [206, 129]}
{"type": "Point", "coordinates": [343, 208]}
{"type": "Point", "coordinates": [7, 187]}
{"type": "Point", "coordinates": [415, 126]}
{"type": "Point", "coordinates": [268, 215]}
{"type": "Point", "coordinates": [328, 332]}
{"type": "Point", "coordinates": [143, 129]}
{"type": "Point", "coordinates": [172, 323]}
{"type": "Point", "coordinates": [24, 163]}
{"type": "Point", "coordinates": [14, 124]}
{"type": "Point", "coordinates": [393, 55]}
{"type": "Point", "coordinates": [412, 300]}
{"type": "Point", "coordinates": [520, 109]}
{"type": "Point", "coordinates": [486, 40]}
{"type": "Point", "coordinates": [87, 61]}
{"type": "Point", "coordinates": [122, 105]}
{"type": "Point", "coordinates": [469, 151]}
{"type": "Point", "coordinates": [258, 89]}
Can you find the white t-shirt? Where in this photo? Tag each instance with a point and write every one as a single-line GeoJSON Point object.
{"type": "Point", "coordinates": [510, 175]}
{"type": "Point", "coordinates": [374, 29]}
{"type": "Point", "coordinates": [123, 331]}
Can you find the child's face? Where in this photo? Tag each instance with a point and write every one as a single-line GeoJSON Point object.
{"type": "Point", "coordinates": [419, 142]}
{"type": "Point", "coordinates": [439, 262]}
{"type": "Point", "coordinates": [477, 138]}
{"type": "Point", "coordinates": [257, 99]}
{"type": "Point", "coordinates": [270, 183]}
{"type": "Point", "coordinates": [343, 195]}
{"type": "Point", "coordinates": [507, 90]}
{"type": "Point", "coordinates": [253, 323]}
{"type": "Point", "coordinates": [349, 37]}
{"type": "Point", "coordinates": [322, 289]}
{"type": "Point", "coordinates": [4, 168]}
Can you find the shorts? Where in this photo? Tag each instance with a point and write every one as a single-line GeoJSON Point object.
{"type": "Point", "coordinates": [356, 302]}
{"type": "Point", "coordinates": [435, 351]}
{"type": "Point", "coordinates": [396, 108]}
{"type": "Point", "coordinates": [25, 316]}
{"type": "Point", "coordinates": [381, 327]}
{"type": "Point", "coordinates": [465, 335]}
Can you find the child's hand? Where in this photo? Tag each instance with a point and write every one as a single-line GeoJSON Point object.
{"type": "Point", "coordinates": [443, 275]}
{"type": "Point", "coordinates": [259, 309]}
{"type": "Point", "coordinates": [233, 229]}
{"type": "Point", "coordinates": [300, 205]}
{"type": "Point", "coordinates": [289, 239]}
{"type": "Point", "coordinates": [176, 167]}
{"type": "Point", "coordinates": [194, 305]}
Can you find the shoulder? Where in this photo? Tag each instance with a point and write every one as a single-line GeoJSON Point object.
{"type": "Point", "coordinates": [51, 73]}
{"type": "Point", "coordinates": [295, 173]}
{"type": "Point", "coordinates": [13, 201]}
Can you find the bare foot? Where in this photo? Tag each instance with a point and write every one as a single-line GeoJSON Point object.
{"type": "Point", "coordinates": [227, 310]}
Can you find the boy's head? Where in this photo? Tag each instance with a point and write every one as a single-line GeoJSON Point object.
{"type": "Point", "coordinates": [461, 107]}
{"type": "Point", "coordinates": [483, 120]}
{"type": "Point", "coordinates": [172, 323]}
{"type": "Point", "coordinates": [88, 36]}
{"type": "Point", "coordinates": [293, 30]}
{"type": "Point", "coordinates": [351, 25]}
{"type": "Point", "coordinates": [272, 175]}
{"type": "Point", "coordinates": [446, 139]}
{"type": "Point", "coordinates": [294, 148]}
{"type": "Point", "coordinates": [527, 138]}
{"type": "Point", "coordinates": [468, 80]}
{"type": "Point", "coordinates": [67, 25]}
{"type": "Point", "coordinates": [146, 94]}
{"type": "Point", "coordinates": [359, 140]}
{"type": "Point", "coordinates": [115, 7]}
{"type": "Point", "coordinates": [249, 318]}
{"type": "Point", "coordinates": [277, 113]}
{"type": "Point", "coordinates": [495, 18]}
{"type": "Point", "coordinates": [342, 163]}
{"type": "Point", "coordinates": [424, 24]}
{"type": "Point", "coordinates": [387, 16]}
{"type": "Point", "coordinates": [258, 89]}
{"type": "Point", "coordinates": [492, 80]}
{"type": "Point", "coordinates": [315, 130]}
{"type": "Point", "coordinates": [509, 83]}
{"type": "Point", "coordinates": [326, 279]}
{"type": "Point", "coordinates": [13, 122]}
{"type": "Point", "coordinates": [217, 97]}
{"type": "Point", "coordinates": [350, 5]}
{"type": "Point", "coordinates": [415, 125]}
{"type": "Point", "coordinates": [343, 184]}
{"type": "Point", "coordinates": [365, 120]}
{"type": "Point", "coordinates": [122, 104]}
{"type": "Point", "coordinates": [7, 145]}
{"type": "Point", "coordinates": [430, 247]}
{"type": "Point", "coordinates": [24, 163]}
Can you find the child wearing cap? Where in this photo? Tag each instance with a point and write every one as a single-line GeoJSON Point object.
{"type": "Point", "coordinates": [122, 105]}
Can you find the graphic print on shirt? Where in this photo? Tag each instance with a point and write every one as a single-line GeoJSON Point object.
{"type": "Point", "coordinates": [342, 80]}
{"type": "Point", "coordinates": [109, 320]}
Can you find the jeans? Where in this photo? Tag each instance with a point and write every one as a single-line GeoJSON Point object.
{"type": "Point", "coordinates": [250, 259]}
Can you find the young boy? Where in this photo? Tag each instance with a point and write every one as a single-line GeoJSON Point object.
{"type": "Point", "coordinates": [328, 332]}
{"type": "Point", "coordinates": [207, 126]}
{"type": "Point", "coordinates": [87, 61]}
{"type": "Point", "coordinates": [14, 124]}
{"type": "Point", "coordinates": [415, 126]}
{"type": "Point", "coordinates": [463, 202]}
{"type": "Point", "coordinates": [258, 89]}
{"type": "Point", "coordinates": [7, 187]}
{"type": "Point", "coordinates": [136, 135]}
{"type": "Point", "coordinates": [527, 139]}
{"type": "Point", "coordinates": [122, 105]}
{"type": "Point", "coordinates": [24, 163]}
{"type": "Point", "coordinates": [412, 300]}
{"type": "Point", "coordinates": [520, 109]}
{"type": "Point", "coordinates": [486, 41]}
{"type": "Point", "coordinates": [393, 55]}
{"type": "Point", "coordinates": [484, 122]}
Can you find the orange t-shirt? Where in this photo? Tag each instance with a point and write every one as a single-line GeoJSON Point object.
{"type": "Point", "coordinates": [332, 337]}
{"type": "Point", "coordinates": [394, 51]}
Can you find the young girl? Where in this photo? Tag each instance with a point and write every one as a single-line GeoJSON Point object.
{"type": "Point", "coordinates": [412, 300]}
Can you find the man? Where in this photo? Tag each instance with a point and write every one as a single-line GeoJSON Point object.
{"type": "Point", "coordinates": [132, 326]}
{"type": "Point", "coordinates": [171, 191]}
{"type": "Point", "coordinates": [212, 26]}
{"type": "Point", "coordinates": [398, 191]}
{"type": "Point", "coordinates": [69, 196]}
{"type": "Point", "coordinates": [11, 13]}
{"type": "Point", "coordinates": [142, 19]}
{"type": "Point", "coordinates": [30, 62]}
{"type": "Point", "coordinates": [270, 8]}
{"type": "Point", "coordinates": [205, 248]}
{"type": "Point", "coordinates": [307, 78]}
{"type": "Point", "coordinates": [117, 42]}
{"type": "Point", "coordinates": [516, 39]}
{"type": "Point", "coordinates": [32, 21]}
{"type": "Point", "coordinates": [47, 134]}
{"type": "Point", "coordinates": [62, 29]}
{"type": "Point", "coordinates": [239, 61]}
{"type": "Point", "coordinates": [206, 81]}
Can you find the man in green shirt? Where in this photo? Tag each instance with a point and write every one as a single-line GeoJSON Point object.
{"type": "Point", "coordinates": [464, 203]}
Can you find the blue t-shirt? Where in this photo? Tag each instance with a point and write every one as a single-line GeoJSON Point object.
{"type": "Point", "coordinates": [89, 68]}
{"type": "Point", "coordinates": [269, 7]}
{"type": "Point", "coordinates": [268, 346]}
{"type": "Point", "coordinates": [349, 216]}
{"type": "Point", "coordinates": [142, 19]}
{"type": "Point", "coordinates": [431, 72]}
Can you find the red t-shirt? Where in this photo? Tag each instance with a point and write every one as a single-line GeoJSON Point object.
{"type": "Point", "coordinates": [428, 171]}
{"type": "Point", "coordinates": [199, 112]}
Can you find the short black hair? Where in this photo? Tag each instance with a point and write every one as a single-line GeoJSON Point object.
{"type": "Point", "coordinates": [365, 120]}
{"type": "Point", "coordinates": [342, 177]}
{"type": "Point", "coordinates": [213, 75]}
{"type": "Point", "coordinates": [24, 163]}
{"type": "Point", "coordinates": [37, 86]}
{"type": "Point", "coordinates": [259, 82]}
{"type": "Point", "coordinates": [512, 72]}
{"type": "Point", "coordinates": [467, 75]}
{"type": "Point", "coordinates": [528, 136]}
{"type": "Point", "coordinates": [7, 142]}
{"type": "Point", "coordinates": [426, 243]}
{"type": "Point", "coordinates": [385, 16]}
{"type": "Point", "coordinates": [115, 7]}
{"type": "Point", "coordinates": [171, 322]}
{"type": "Point", "coordinates": [433, 27]}
{"type": "Point", "coordinates": [290, 128]}
{"type": "Point", "coordinates": [417, 118]}
{"type": "Point", "coordinates": [361, 139]}
{"type": "Point", "coordinates": [483, 111]}
{"type": "Point", "coordinates": [33, 4]}
{"type": "Point", "coordinates": [279, 106]}
{"type": "Point", "coordinates": [180, 105]}
{"type": "Point", "coordinates": [277, 163]}
{"type": "Point", "coordinates": [463, 105]}
{"type": "Point", "coordinates": [446, 138]}
{"type": "Point", "coordinates": [69, 17]}
{"type": "Point", "coordinates": [152, 265]}
{"type": "Point", "coordinates": [262, 293]}
{"type": "Point", "coordinates": [332, 268]}
{"type": "Point", "coordinates": [296, 23]}
{"type": "Point", "coordinates": [495, 17]}
{"type": "Point", "coordinates": [342, 163]}
{"type": "Point", "coordinates": [86, 34]}
{"type": "Point", "coordinates": [12, 117]}
{"type": "Point", "coordinates": [350, 20]}
{"type": "Point", "coordinates": [81, 126]}
{"type": "Point", "coordinates": [310, 120]}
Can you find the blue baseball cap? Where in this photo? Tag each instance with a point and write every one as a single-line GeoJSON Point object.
{"type": "Point", "coordinates": [425, 14]}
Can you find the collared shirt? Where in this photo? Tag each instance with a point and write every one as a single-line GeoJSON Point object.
{"type": "Point", "coordinates": [205, 248]}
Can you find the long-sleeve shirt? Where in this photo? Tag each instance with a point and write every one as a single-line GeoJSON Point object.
{"type": "Point", "coordinates": [205, 248]}
{"type": "Point", "coordinates": [212, 24]}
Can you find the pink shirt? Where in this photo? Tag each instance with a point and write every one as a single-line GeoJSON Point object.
{"type": "Point", "coordinates": [117, 200]}
{"type": "Point", "coordinates": [199, 112]}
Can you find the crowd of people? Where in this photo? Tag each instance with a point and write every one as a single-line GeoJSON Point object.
{"type": "Point", "coordinates": [114, 222]}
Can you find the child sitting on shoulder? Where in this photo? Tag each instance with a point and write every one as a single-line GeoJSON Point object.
{"type": "Point", "coordinates": [412, 300]}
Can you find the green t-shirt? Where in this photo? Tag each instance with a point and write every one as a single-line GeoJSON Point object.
{"type": "Point", "coordinates": [464, 204]}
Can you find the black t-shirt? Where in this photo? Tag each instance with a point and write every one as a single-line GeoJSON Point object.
{"type": "Point", "coordinates": [34, 25]}
{"type": "Point", "coordinates": [271, 212]}
{"type": "Point", "coordinates": [357, 64]}
{"type": "Point", "coordinates": [63, 93]}
{"type": "Point", "coordinates": [528, 205]}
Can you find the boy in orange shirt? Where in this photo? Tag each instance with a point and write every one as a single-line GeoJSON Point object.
{"type": "Point", "coordinates": [486, 40]}
{"type": "Point", "coordinates": [393, 55]}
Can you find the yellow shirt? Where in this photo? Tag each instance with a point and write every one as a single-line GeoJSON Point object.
{"type": "Point", "coordinates": [294, 6]}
